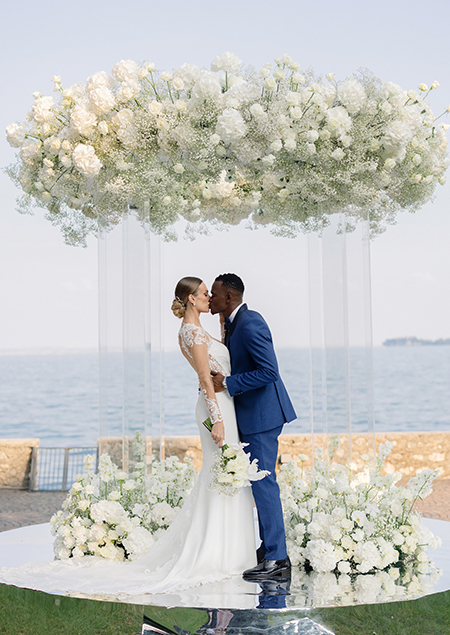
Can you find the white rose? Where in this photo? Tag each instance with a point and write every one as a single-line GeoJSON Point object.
{"type": "Point", "coordinates": [268, 160]}
{"type": "Point", "coordinates": [296, 112]}
{"type": "Point", "coordinates": [435, 84]}
{"type": "Point", "coordinates": [42, 109]}
{"type": "Point", "coordinates": [338, 154]}
{"type": "Point", "coordinates": [178, 168]}
{"type": "Point", "coordinates": [416, 178]}
{"type": "Point", "coordinates": [15, 135]}
{"type": "Point", "coordinates": [178, 83]}
{"type": "Point", "coordinates": [86, 161]}
{"type": "Point", "coordinates": [290, 145]}
{"type": "Point", "coordinates": [180, 105]}
{"type": "Point", "coordinates": [293, 99]}
{"type": "Point", "coordinates": [270, 84]}
{"type": "Point", "coordinates": [276, 146]}
{"type": "Point", "coordinates": [298, 78]}
{"type": "Point", "coordinates": [128, 137]}
{"type": "Point", "coordinates": [423, 87]}
{"type": "Point", "coordinates": [417, 159]}
{"type": "Point", "coordinates": [123, 118]}
{"type": "Point", "coordinates": [215, 139]}
{"type": "Point", "coordinates": [84, 121]}
{"type": "Point", "coordinates": [258, 111]}
{"type": "Point", "coordinates": [389, 164]}
{"type": "Point", "coordinates": [230, 126]}
{"type": "Point", "coordinates": [99, 80]}
{"type": "Point", "coordinates": [166, 76]}
{"type": "Point", "coordinates": [311, 148]}
{"type": "Point", "coordinates": [114, 496]}
{"type": "Point", "coordinates": [324, 134]}
{"type": "Point", "coordinates": [154, 107]}
{"type": "Point", "coordinates": [129, 89]}
{"type": "Point", "coordinates": [279, 74]}
{"type": "Point", "coordinates": [352, 95]}
{"type": "Point", "coordinates": [312, 135]}
{"type": "Point", "coordinates": [124, 70]}
{"type": "Point", "coordinates": [330, 77]}
{"type": "Point", "coordinates": [102, 100]}
{"type": "Point", "coordinates": [228, 62]}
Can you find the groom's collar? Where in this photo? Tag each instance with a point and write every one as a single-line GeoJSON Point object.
{"type": "Point", "coordinates": [235, 312]}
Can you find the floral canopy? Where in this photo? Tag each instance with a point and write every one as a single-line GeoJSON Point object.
{"type": "Point", "coordinates": [277, 146]}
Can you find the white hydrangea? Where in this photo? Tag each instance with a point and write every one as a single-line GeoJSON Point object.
{"type": "Point", "coordinates": [86, 161]}
{"type": "Point", "coordinates": [102, 100]}
{"type": "Point", "coordinates": [228, 62]}
{"type": "Point", "coordinates": [15, 135]}
{"type": "Point", "coordinates": [99, 80]}
{"type": "Point", "coordinates": [338, 121]}
{"type": "Point", "coordinates": [125, 70]}
{"type": "Point", "coordinates": [352, 95]}
{"type": "Point", "coordinates": [42, 109]}
{"type": "Point", "coordinates": [230, 126]}
{"type": "Point", "coordinates": [83, 121]}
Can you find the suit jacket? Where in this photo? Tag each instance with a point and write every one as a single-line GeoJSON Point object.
{"type": "Point", "coordinates": [260, 397]}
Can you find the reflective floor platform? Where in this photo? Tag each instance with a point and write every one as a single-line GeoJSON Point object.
{"type": "Point", "coordinates": [307, 605]}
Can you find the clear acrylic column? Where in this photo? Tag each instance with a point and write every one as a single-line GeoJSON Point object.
{"type": "Point", "coordinates": [341, 369]}
{"type": "Point", "coordinates": [130, 342]}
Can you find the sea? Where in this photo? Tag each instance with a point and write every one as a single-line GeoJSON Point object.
{"type": "Point", "coordinates": [55, 397]}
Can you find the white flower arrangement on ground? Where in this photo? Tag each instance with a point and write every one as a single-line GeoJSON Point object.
{"type": "Point", "coordinates": [116, 515]}
{"type": "Point", "coordinates": [279, 146]}
{"type": "Point", "coordinates": [343, 522]}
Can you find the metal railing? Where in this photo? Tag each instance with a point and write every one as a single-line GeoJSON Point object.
{"type": "Point", "coordinates": [55, 469]}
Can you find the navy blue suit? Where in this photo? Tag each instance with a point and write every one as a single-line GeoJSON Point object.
{"type": "Point", "coordinates": [262, 408]}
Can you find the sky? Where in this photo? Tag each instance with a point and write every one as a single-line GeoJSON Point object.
{"type": "Point", "coordinates": [49, 290]}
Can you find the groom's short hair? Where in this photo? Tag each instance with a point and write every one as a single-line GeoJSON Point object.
{"type": "Point", "coordinates": [231, 281]}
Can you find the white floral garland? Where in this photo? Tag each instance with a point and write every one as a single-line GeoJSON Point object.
{"type": "Point", "coordinates": [278, 146]}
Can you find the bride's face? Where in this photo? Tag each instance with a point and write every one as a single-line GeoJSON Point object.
{"type": "Point", "coordinates": [201, 299]}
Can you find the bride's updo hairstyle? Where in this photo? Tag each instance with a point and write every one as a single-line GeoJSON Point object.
{"type": "Point", "coordinates": [185, 287]}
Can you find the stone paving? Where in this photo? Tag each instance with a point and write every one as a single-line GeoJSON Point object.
{"type": "Point", "coordinates": [19, 508]}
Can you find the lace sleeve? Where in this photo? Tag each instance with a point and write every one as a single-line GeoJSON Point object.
{"type": "Point", "coordinates": [195, 343]}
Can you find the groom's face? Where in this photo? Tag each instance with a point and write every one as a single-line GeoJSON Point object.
{"type": "Point", "coordinates": [218, 301]}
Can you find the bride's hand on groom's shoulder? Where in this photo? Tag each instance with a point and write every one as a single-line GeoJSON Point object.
{"type": "Point", "coordinates": [218, 433]}
{"type": "Point", "coordinates": [217, 380]}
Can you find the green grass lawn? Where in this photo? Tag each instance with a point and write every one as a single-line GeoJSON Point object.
{"type": "Point", "coordinates": [25, 612]}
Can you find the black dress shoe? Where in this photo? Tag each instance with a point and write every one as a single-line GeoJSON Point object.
{"type": "Point", "coordinates": [260, 553]}
{"type": "Point", "coordinates": [268, 569]}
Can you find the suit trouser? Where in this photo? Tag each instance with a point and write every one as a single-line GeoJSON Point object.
{"type": "Point", "coordinates": [264, 447]}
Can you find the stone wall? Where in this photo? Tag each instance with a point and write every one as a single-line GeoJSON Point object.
{"type": "Point", "coordinates": [15, 462]}
{"type": "Point", "coordinates": [411, 452]}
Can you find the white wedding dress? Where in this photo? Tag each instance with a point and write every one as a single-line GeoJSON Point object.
{"type": "Point", "coordinates": [211, 539]}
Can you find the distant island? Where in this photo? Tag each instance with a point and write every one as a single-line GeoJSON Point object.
{"type": "Point", "coordinates": [414, 341]}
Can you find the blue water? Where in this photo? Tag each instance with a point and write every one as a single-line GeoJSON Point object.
{"type": "Point", "coordinates": [55, 397]}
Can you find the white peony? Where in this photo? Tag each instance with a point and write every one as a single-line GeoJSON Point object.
{"type": "Point", "coordinates": [352, 95]}
{"type": "Point", "coordinates": [83, 120]}
{"type": "Point", "coordinates": [228, 62]}
{"type": "Point", "coordinates": [338, 121]}
{"type": "Point", "coordinates": [98, 80]}
{"type": "Point", "coordinates": [206, 86]}
{"type": "Point", "coordinates": [230, 126]}
{"type": "Point", "coordinates": [321, 555]}
{"type": "Point", "coordinates": [86, 161]}
{"type": "Point", "coordinates": [125, 70]}
{"type": "Point", "coordinates": [102, 100]}
{"type": "Point", "coordinates": [42, 109]}
{"type": "Point", "coordinates": [15, 135]}
{"type": "Point", "coordinates": [138, 541]}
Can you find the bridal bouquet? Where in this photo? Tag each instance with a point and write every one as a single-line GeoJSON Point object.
{"type": "Point", "coordinates": [355, 523]}
{"type": "Point", "coordinates": [232, 469]}
{"type": "Point", "coordinates": [118, 515]}
{"type": "Point", "coordinates": [277, 146]}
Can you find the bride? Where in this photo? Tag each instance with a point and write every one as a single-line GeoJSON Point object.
{"type": "Point", "coordinates": [212, 538]}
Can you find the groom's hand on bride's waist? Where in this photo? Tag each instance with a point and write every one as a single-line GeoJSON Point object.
{"type": "Point", "coordinates": [218, 381]}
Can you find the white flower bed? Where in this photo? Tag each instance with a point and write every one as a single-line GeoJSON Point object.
{"type": "Point", "coordinates": [278, 146]}
{"type": "Point", "coordinates": [342, 522]}
{"type": "Point", "coordinates": [117, 515]}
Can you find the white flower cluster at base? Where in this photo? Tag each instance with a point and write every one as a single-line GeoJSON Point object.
{"type": "Point", "coordinates": [278, 147]}
{"type": "Point", "coordinates": [116, 515]}
{"type": "Point", "coordinates": [346, 523]}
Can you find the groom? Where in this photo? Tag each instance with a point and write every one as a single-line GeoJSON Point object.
{"type": "Point", "coordinates": [262, 408]}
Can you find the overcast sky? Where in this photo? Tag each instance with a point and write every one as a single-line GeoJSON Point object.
{"type": "Point", "coordinates": [49, 290]}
